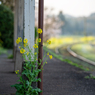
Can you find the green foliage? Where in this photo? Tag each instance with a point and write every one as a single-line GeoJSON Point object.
{"type": "Point", "coordinates": [26, 86]}
{"type": "Point", "coordinates": [10, 56]}
{"type": "Point", "coordinates": [76, 65]}
{"type": "Point", "coordinates": [65, 60]}
{"type": "Point", "coordinates": [77, 26]}
{"type": "Point", "coordinates": [30, 69]}
{"type": "Point", "coordinates": [8, 3]}
{"type": "Point", "coordinates": [6, 27]}
{"type": "Point", "coordinates": [90, 77]}
{"type": "Point", "coordinates": [85, 50]}
{"type": "Point", "coordinates": [2, 50]}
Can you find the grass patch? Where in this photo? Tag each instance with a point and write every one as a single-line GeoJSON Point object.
{"type": "Point", "coordinates": [60, 57]}
{"type": "Point", "coordinates": [63, 51]}
{"type": "Point", "coordinates": [62, 43]}
{"type": "Point", "coordinates": [3, 51]}
{"type": "Point", "coordinates": [85, 50]}
{"type": "Point", "coordinates": [90, 77]}
{"type": "Point", "coordinates": [10, 56]}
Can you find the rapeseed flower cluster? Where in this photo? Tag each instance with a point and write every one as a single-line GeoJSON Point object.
{"type": "Point", "coordinates": [25, 41]}
{"type": "Point", "coordinates": [25, 44]}
{"type": "Point", "coordinates": [48, 41]}
{"type": "Point", "coordinates": [50, 56]}
{"type": "Point", "coordinates": [27, 53]}
{"type": "Point", "coordinates": [17, 71]}
{"type": "Point", "coordinates": [31, 65]}
{"type": "Point", "coordinates": [35, 46]}
{"type": "Point", "coordinates": [39, 31]}
{"type": "Point", "coordinates": [39, 40]}
{"type": "Point", "coordinates": [19, 40]}
{"type": "Point", "coordinates": [35, 53]}
{"type": "Point", "coordinates": [22, 51]}
{"type": "Point", "coordinates": [48, 53]}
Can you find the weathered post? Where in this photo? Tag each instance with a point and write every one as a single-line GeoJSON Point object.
{"type": "Point", "coordinates": [19, 31]}
{"type": "Point", "coordinates": [24, 27]}
{"type": "Point", "coordinates": [29, 26]}
{"type": "Point", "coordinates": [40, 54]}
{"type": "Point", "coordinates": [29, 21]}
{"type": "Point", "coordinates": [15, 29]}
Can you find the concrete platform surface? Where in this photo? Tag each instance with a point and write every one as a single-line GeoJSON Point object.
{"type": "Point", "coordinates": [59, 78]}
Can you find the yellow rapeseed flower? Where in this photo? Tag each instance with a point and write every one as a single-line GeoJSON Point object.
{"type": "Point", "coordinates": [46, 62]}
{"type": "Point", "coordinates": [25, 40]}
{"type": "Point", "coordinates": [48, 53]}
{"type": "Point", "coordinates": [35, 53]}
{"type": "Point", "coordinates": [25, 44]}
{"type": "Point", "coordinates": [27, 53]}
{"type": "Point", "coordinates": [22, 50]}
{"type": "Point", "coordinates": [50, 56]}
{"type": "Point", "coordinates": [39, 40]}
{"type": "Point", "coordinates": [49, 42]}
{"type": "Point", "coordinates": [35, 46]}
{"type": "Point", "coordinates": [18, 40]}
{"type": "Point", "coordinates": [17, 71]}
{"type": "Point", "coordinates": [39, 30]}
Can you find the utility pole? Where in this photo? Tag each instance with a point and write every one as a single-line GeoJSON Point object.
{"type": "Point", "coordinates": [40, 54]}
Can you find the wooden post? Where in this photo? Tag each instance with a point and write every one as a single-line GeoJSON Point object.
{"type": "Point", "coordinates": [29, 21]}
{"type": "Point", "coordinates": [19, 33]}
{"type": "Point", "coordinates": [15, 29]}
{"type": "Point", "coordinates": [24, 27]}
{"type": "Point", "coordinates": [29, 26]}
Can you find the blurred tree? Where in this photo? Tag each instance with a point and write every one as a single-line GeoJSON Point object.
{"type": "Point", "coordinates": [61, 16]}
{"type": "Point", "coordinates": [76, 26]}
{"type": "Point", "coordinates": [8, 3]}
{"type": "Point", "coordinates": [65, 23]}
{"type": "Point", "coordinates": [52, 24]}
{"type": "Point", "coordinates": [6, 26]}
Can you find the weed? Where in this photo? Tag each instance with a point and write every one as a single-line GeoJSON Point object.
{"type": "Point", "coordinates": [90, 77]}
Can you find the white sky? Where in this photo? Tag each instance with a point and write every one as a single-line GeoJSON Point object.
{"type": "Point", "coordinates": [72, 7]}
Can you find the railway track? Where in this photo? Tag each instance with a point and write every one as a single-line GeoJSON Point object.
{"type": "Point", "coordinates": [67, 53]}
{"type": "Point", "coordinates": [78, 56]}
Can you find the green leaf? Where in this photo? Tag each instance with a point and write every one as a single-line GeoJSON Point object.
{"type": "Point", "coordinates": [87, 77]}
{"type": "Point", "coordinates": [39, 79]}
{"type": "Point", "coordinates": [19, 81]}
{"type": "Point", "coordinates": [37, 90]}
{"type": "Point", "coordinates": [19, 93]}
{"type": "Point", "coordinates": [36, 80]}
{"type": "Point", "coordinates": [17, 86]}
{"type": "Point", "coordinates": [25, 72]}
{"type": "Point", "coordinates": [27, 82]}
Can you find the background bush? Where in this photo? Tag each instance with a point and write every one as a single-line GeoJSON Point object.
{"type": "Point", "coordinates": [6, 27]}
